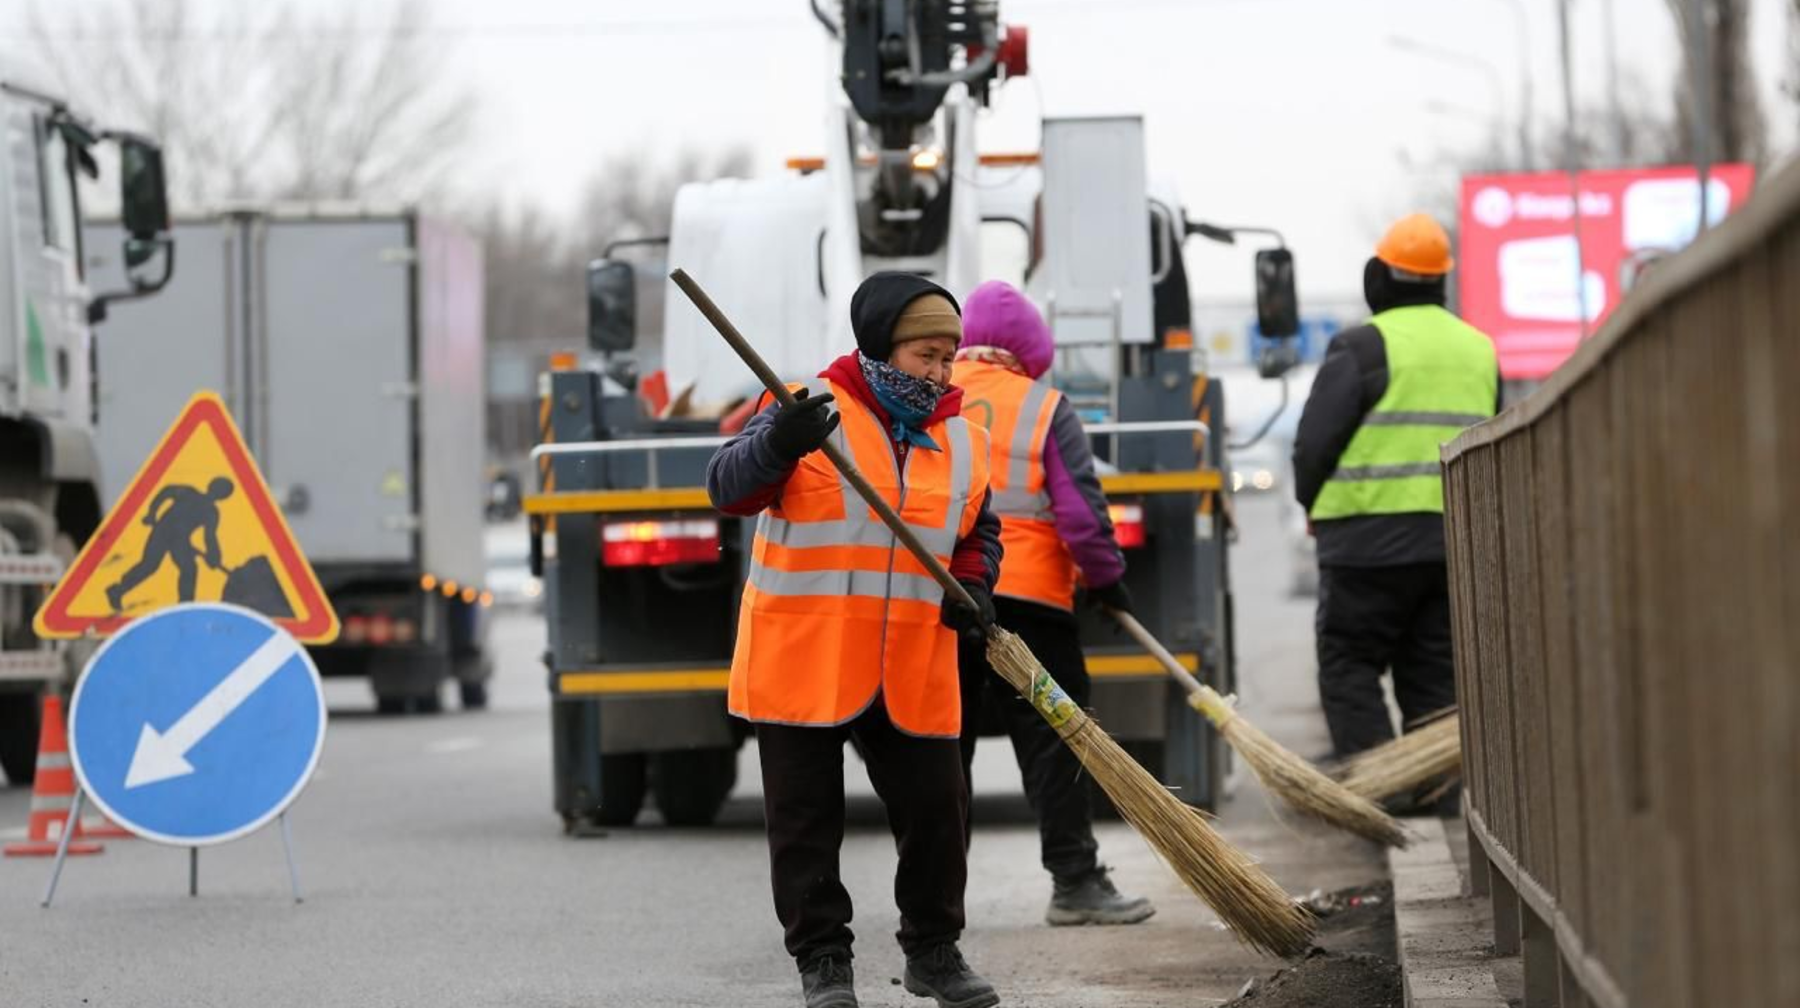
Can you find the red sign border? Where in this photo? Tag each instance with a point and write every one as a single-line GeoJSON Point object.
{"type": "Point", "coordinates": [319, 624]}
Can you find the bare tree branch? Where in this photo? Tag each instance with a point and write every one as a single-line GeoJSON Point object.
{"type": "Point", "coordinates": [1739, 132]}
{"type": "Point", "coordinates": [261, 101]}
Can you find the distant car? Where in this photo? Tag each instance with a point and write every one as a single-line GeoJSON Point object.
{"type": "Point", "coordinates": [509, 577]}
{"type": "Point", "coordinates": [1260, 468]}
{"type": "Point", "coordinates": [503, 502]}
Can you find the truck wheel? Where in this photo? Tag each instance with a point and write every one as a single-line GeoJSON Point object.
{"type": "Point", "coordinates": [472, 695]}
{"type": "Point", "coordinates": [622, 782]}
{"type": "Point", "coordinates": [407, 681]}
{"type": "Point", "coordinates": [691, 785]}
{"type": "Point", "coordinates": [19, 736]}
{"type": "Point", "coordinates": [472, 670]}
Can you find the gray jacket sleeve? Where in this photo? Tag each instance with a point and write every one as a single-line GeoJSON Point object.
{"type": "Point", "coordinates": [746, 474]}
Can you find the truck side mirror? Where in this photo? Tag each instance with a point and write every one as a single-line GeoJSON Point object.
{"type": "Point", "coordinates": [612, 305]}
{"type": "Point", "coordinates": [143, 192]}
{"type": "Point", "coordinates": [144, 209]}
{"type": "Point", "coordinates": [1277, 305]}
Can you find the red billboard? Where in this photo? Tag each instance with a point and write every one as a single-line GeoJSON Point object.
{"type": "Point", "coordinates": [1517, 260]}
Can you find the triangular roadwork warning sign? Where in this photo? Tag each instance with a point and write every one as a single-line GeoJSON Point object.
{"type": "Point", "coordinates": [197, 524]}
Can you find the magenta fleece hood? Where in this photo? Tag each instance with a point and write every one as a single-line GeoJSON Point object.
{"type": "Point", "coordinates": [997, 315]}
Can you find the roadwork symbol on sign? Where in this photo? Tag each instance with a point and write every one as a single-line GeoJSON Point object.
{"type": "Point", "coordinates": [196, 524]}
{"type": "Point", "coordinates": [197, 724]}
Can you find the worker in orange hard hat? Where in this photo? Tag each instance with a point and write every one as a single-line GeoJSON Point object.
{"type": "Point", "coordinates": [1387, 396]}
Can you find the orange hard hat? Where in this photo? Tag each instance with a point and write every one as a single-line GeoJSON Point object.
{"type": "Point", "coordinates": [1416, 244]}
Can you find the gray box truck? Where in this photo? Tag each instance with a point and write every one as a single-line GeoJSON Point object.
{"type": "Point", "coordinates": [348, 347]}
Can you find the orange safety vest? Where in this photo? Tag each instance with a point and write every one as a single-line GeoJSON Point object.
{"type": "Point", "coordinates": [836, 612]}
{"type": "Point", "coordinates": [1037, 566]}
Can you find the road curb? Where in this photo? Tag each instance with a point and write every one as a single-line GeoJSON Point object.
{"type": "Point", "coordinates": [1444, 937]}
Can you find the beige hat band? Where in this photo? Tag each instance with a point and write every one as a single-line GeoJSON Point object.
{"type": "Point", "coordinates": [922, 325]}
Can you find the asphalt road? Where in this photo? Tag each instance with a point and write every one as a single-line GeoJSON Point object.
{"type": "Point", "coordinates": [435, 874]}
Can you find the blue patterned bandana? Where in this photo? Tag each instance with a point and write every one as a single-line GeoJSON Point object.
{"type": "Point", "coordinates": [909, 401]}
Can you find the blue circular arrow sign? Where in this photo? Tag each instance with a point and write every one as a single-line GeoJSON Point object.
{"type": "Point", "coordinates": [197, 724]}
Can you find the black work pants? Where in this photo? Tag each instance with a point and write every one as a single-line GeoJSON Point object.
{"type": "Point", "coordinates": [1371, 620]}
{"type": "Point", "coordinates": [1054, 782]}
{"type": "Point", "coordinates": [921, 783]}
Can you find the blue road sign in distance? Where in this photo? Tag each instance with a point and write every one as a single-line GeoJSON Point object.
{"type": "Point", "coordinates": [197, 724]}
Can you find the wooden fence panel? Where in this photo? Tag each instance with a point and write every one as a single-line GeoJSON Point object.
{"type": "Point", "coordinates": [1625, 569]}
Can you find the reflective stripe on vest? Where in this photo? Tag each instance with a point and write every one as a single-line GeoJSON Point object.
{"type": "Point", "coordinates": [1037, 566]}
{"type": "Point", "coordinates": [1442, 377]}
{"type": "Point", "coordinates": [835, 610]}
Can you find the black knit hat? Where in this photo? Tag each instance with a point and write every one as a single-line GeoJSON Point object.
{"type": "Point", "coordinates": [877, 304]}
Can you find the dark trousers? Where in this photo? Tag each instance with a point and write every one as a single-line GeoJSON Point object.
{"type": "Point", "coordinates": [919, 780]}
{"type": "Point", "coordinates": [1054, 782]}
{"type": "Point", "coordinates": [1371, 620]}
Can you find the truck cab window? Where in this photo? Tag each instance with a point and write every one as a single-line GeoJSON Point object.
{"type": "Point", "coordinates": [56, 189]}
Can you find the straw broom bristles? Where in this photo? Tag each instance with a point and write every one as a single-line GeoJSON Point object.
{"type": "Point", "coordinates": [1258, 910]}
{"type": "Point", "coordinates": [1295, 781]}
{"type": "Point", "coordinates": [1288, 777]}
{"type": "Point", "coordinates": [1415, 758]}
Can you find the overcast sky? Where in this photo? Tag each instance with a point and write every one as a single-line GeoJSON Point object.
{"type": "Point", "coordinates": [1297, 114]}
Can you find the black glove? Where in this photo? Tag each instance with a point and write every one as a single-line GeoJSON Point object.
{"type": "Point", "coordinates": [965, 621]}
{"type": "Point", "coordinates": [1113, 596]}
{"type": "Point", "coordinates": [800, 429]}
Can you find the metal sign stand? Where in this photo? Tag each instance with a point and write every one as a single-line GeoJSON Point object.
{"type": "Point", "coordinates": [68, 833]}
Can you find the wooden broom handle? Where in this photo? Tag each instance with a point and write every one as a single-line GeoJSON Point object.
{"type": "Point", "coordinates": [779, 390]}
{"type": "Point", "coordinates": [1194, 686]}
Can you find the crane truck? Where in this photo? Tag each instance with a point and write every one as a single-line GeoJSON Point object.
{"type": "Point", "coordinates": [49, 464]}
{"type": "Point", "coordinates": [642, 578]}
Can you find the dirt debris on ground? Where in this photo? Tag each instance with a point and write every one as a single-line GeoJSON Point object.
{"type": "Point", "coordinates": [1351, 966]}
{"type": "Point", "coordinates": [1328, 980]}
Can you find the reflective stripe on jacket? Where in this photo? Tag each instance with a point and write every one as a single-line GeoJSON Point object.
{"type": "Point", "coordinates": [1037, 565]}
{"type": "Point", "coordinates": [835, 610]}
{"type": "Point", "coordinates": [1442, 378]}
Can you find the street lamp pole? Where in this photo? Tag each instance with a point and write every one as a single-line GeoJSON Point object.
{"type": "Point", "coordinates": [1572, 160]}
{"type": "Point", "coordinates": [1700, 71]}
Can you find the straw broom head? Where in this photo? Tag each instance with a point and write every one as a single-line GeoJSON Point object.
{"type": "Point", "coordinates": [1244, 896]}
{"type": "Point", "coordinates": [1397, 767]}
{"type": "Point", "coordinates": [1294, 780]}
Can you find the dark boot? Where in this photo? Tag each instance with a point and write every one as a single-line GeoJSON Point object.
{"type": "Point", "coordinates": [1092, 899]}
{"type": "Point", "coordinates": [829, 982]}
{"type": "Point", "coordinates": [940, 972]}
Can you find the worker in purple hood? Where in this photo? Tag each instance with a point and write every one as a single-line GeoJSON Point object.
{"type": "Point", "coordinates": [1057, 536]}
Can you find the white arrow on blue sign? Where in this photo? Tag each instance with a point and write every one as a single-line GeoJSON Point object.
{"type": "Point", "coordinates": [197, 724]}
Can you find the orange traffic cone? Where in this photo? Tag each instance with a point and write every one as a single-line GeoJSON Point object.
{"type": "Point", "coordinates": [103, 828]}
{"type": "Point", "coordinates": [52, 793]}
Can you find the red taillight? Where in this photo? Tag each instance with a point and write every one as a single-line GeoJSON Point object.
{"type": "Point", "coordinates": [659, 543]}
{"type": "Point", "coordinates": [381, 629]}
{"type": "Point", "coordinates": [356, 630]}
{"type": "Point", "coordinates": [1128, 524]}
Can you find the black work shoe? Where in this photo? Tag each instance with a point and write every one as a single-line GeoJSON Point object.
{"type": "Point", "coordinates": [829, 982]}
{"type": "Point", "coordinates": [941, 973]}
{"type": "Point", "coordinates": [1092, 899]}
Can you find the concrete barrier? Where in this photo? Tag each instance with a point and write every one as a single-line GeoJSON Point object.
{"type": "Point", "coordinates": [1625, 569]}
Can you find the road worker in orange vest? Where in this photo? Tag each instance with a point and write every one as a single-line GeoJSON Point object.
{"type": "Point", "coordinates": [1056, 532]}
{"type": "Point", "coordinates": [843, 636]}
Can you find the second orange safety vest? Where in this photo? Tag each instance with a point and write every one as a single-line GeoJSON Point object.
{"type": "Point", "coordinates": [1037, 566]}
{"type": "Point", "coordinates": [836, 612]}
